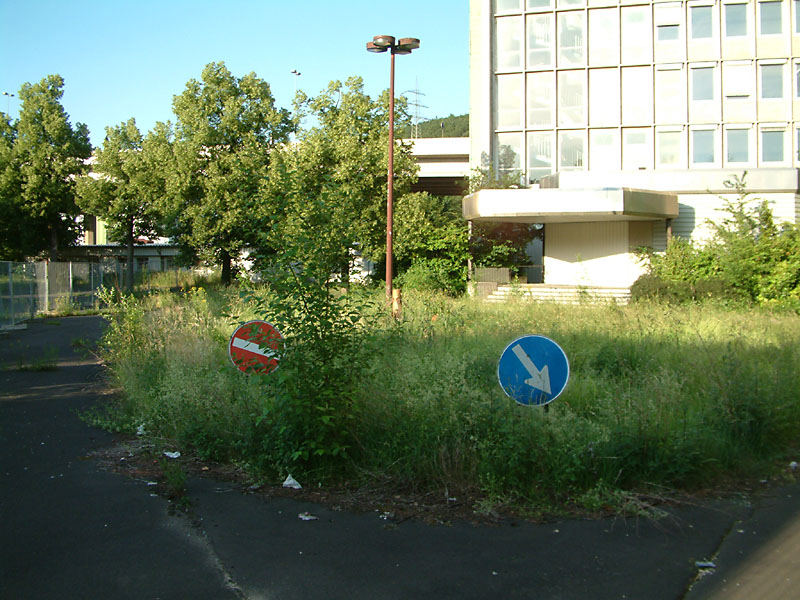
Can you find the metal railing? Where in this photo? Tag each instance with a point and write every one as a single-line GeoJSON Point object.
{"type": "Point", "coordinates": [30, 288]}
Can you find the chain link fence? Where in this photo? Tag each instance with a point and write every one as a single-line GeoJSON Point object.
{"type": "Point", "coordinates": [30, 288]}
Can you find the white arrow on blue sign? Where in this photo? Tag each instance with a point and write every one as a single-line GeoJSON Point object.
{"type": "Point", "coordinates": [533, 370]}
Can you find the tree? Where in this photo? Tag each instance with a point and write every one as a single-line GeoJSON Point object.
{"type": "Point", "coordinates": [50, 154]}
{"type": "Point", "coordinates": [431, 242]}
{"type": "Point", "coordinates": [121, 190]}
{"type": "Point", "coordinates": [11, 228]}
{"type": "Point", "coordinates": [333, 180]}
{"type": "Point", "coordinates": [226, 129]}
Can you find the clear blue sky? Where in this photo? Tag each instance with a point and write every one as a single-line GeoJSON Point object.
{"type": "Point", "coordinates": [128, 58]}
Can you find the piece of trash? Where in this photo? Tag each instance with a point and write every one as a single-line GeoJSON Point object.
{"type": "Point", "coordinates": [291, 482]}
{"type": "Point", "coordinates": [204, 469]}
{"type": "Point", "coordinates": [793, 465]}
{"type": "Point", "coordinates": [451, 499]}
{"type": "Point", "coordinates": [705, 564]}
{"type": "Point", "coordinates": [152, 483]}
{"type": "Point", "coordinates": [386, 515]}
{"type": "Point", "coordinates": [140, 429]}
{"type": "Point", "coordinates": [172, 454]}
{"type": "Point", "coordinates": [304, 516]}
{"type": "Point", "coordinates": [494, 573]}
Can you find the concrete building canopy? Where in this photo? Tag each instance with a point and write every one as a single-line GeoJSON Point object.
{"type": "Point", "coordinates": [569, 205]}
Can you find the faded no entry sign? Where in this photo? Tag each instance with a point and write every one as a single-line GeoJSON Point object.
{"type": "Point", "coordinates": [255, 347]}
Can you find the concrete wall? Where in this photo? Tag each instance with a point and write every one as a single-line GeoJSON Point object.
{"type": "Point", "coordinates": [593, 254]}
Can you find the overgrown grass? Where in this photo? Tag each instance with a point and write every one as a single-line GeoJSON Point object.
{"type": "Point", "coordinates": [658, 397]}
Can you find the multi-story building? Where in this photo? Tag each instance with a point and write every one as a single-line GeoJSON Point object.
{"type": "Point", "coordinates": [625, 119]}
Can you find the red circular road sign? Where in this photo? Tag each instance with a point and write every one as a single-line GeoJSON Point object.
{"type": "Point", "coordinates": [255, 346]}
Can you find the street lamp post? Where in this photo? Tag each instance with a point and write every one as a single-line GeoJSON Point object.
{"type": "Point", "coordinates": [382, 43]}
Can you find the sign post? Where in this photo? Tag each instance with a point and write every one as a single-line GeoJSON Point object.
{"type": "Point", "coordinates": [533, 370]}
{"type": "Point", "coordinates": [255, 347]}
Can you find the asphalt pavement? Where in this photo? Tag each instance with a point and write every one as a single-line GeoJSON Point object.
{"type": "Point", "coordinates": [70, 529]}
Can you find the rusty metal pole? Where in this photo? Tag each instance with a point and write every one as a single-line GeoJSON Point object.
{"type": "Point", "coordinates": [390, 187]}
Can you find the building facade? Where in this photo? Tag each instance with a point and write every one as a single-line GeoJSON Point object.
{"type": "Point", "coordinates": [662, 101]}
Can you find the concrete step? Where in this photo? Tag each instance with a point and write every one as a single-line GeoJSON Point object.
{"type": "Point", "coordinates": [564, 294]}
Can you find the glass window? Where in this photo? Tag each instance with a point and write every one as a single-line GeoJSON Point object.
{"type": "Point", "coordinates": [603, 36]}
{"type": "Point", "coordinates": [637, 95]}
{"type": "Point", "coordinates": [637, 34]}
{"type": "Point", "coordinates": [507, 5]}
{"type": "Point", "coordinates": [570, 145]}
{"type": "Point", "coordinates": [737, 80]}
{"type": "Point", "coordinates": [509, 151]}
{"type": "Point", "coordinates": [636, 148]}
{"type": "Point", "coordinates": [735, 20]}
{"type": "Point", "coordinates": [796, 16]}
{"type": "Point", "coordinates": [604, 97]}
{"type": "Point", "coordinates": [772, 81]}
{"type": "Point", "coordinates": [509, 44]}
{"type": "Point", "coordinates": [564, 3]}
{"type": "Point", "coordinates": [509, 102]}
{"type": "Point", "coordinates": [571, 98]}
{"type": "Point", "coordinates": [703, 146]}
{"type": "Point", "coordinates": [668, 151]}
{"type": "Point", "coordinates": [668, 33]}
{"type": "Point", "coordinates": [604, 150]}
{"type": "Point", "coordinates": [737, 149]}
{"type": "Point", "coordinates": [770, 17]}
{"type": "Point", "coordinates": [540, 155]}
{"type": "Point", "coordinates": [772, 146]}
{"type": "Point", "coordinates": [703, 83]}
{"type": "Point", "coordinates": [797, 79]}
{"type": "Point", "coordinates": [540, 3]}
{"type": "Point", "coordinates": [570, 39]}
{"type": "Point", "coordinates": [670, 96]}
{"type": "Point", "coordinates": [541, 99]}
{"type": "Point", "coordinates": [701, 22]}
{"type": "Point", "coordinates": [540, 40]}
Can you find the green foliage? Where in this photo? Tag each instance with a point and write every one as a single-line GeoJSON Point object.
{"type": "Point", "coordinates": [749, 258]}
{"type": "Point", "coordinates": [430, 243]}
{"type": "Point", "coordinates": [226, 129]}
{"type": "Point", "coordinates": [673, 399]}
{"type": "Point", "coordinates": [41, 154]}
{"type": "Point", "coordinates": [452, 126]}
{"type": "Point", "coordinates": [122, 190]}
{"type": "Point", "coordinates": [332, 181]}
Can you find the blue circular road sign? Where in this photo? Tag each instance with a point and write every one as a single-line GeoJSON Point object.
{"type": "Point", "coordinates": [533, 370]}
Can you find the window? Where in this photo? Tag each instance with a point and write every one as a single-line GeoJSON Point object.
{"type": "Point", "coordinates": [509, 44]}
{"type": "Point", "coordinates": [701, 22]}
{"type": "Point", "coordinates": [737, 80]}
{"type": "Point", "coordinates": [772, 145]}
{"type": "Point", "coordinates": [564, 3]}
{"type": "Point", "coordinates": [772, 81]}
{"type": "Point", "coordinates": [703, 146]}
{"type": "Point", "coordinates": [539, 3]}
{"type": "Point", "coordinates": [604, 150]}
{"type": "Point", "coordinates": [668, 33]}
{"type": "Point", "coordinates": [735, 20]}
{"type": "Point", "coordinates": [507, 6]}
{"type": "Point", "coordinates": [604, 97]}
{"type": "Point", "coordinates": [509, 150]}
{"type": "Point", "coordinates": [540, 155]}
{"type": "Point", "coordinates": [703, 83]}
{"type": "Point", "coordinates": [668, 150]}
{"type": "Point", "coordinates": [540, 99]}
{"type": "Point", "coordinates": [737, 146]}
{"type": "Point", "coordinates": [540, 40]}
{"type": "Point", "coordinates": [571, 98]}
{"type": "Point", "coordinates": [637, 34]}
{"type": "Point", "coordinates": [603, 27]}
{"type": "Point", "coordinates": [637, 95]}
{"type": "Point", "coordinates": [770, 22]}
{"type": "Point", "coordinates": [636, 148]}
{"type": "Point", "coordinates": [570, 149]}
{"type": "Point", "coordinates": [509, 102]}
{"type": "Point", "coordinates": [571, 28]}
{"type": "Point", "coordinates": [796, 16]}
{"type": "Point", "coordinates": [797, 79]}
{"type": "Point", "coordinates": [670, 95]}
